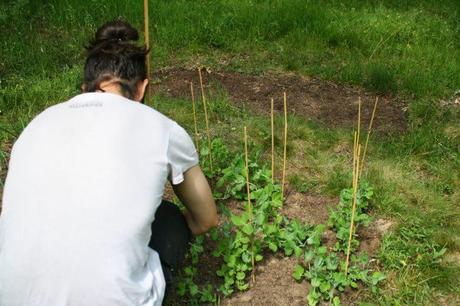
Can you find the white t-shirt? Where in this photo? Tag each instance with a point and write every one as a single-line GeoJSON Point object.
{"type": "Point", "coordinates": [85, 179]}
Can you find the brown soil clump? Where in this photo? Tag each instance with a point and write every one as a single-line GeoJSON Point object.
{"type": "Point", "coordinates": [370, 237]}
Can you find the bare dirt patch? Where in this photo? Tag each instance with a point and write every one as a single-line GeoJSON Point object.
{"type": "Point", "coordinates": [308, 208]}
{"type": "Point", "coordinates": [274, 285]}
{"type": "Point", "coordinates": [326, 102]}
{"type": "Point", "coordinates": [370, 237]}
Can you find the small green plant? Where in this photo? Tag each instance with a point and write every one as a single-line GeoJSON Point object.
{"type": "Point", "coordinates": [236, 243]}
{"type": "Point", "coordinates": [237, 253]}
{"type": "Point", "coordinates": [186, 286]}
{"type": "Point", "coordinates": [340, 218]}
{"type": "Point", "coordinates": [325, 268]}
{"type": "Point", "coordinates": [220, 155]}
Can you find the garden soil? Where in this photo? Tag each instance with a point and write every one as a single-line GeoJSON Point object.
{"type": "Point", "coordinates": [326, 102]}
{"type": "Point", "coordinates": [274, 283]}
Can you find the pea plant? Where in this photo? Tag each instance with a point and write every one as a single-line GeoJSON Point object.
{"type": "Point", "coordinates": [187, 286]}
{"type": "Point", "coordinates": [242, 237]}
{"type": "Point", "coordinates": [325, 269]}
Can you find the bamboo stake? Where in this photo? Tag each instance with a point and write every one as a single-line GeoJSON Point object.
{"type": "Point", "coordinates": [356, 159]}
{"type": "Point", "coordinates": [353, 196]}
{"type": "Point", "coordinates": [197, 144]}
{"type": "Point", "coordinates": [249, 200]}
{"type": "Point", "coordinates": [273, 141]}
{"type": "Point", "coordinates": [368, 135]}
{"type": "Point", "coordinates": [247, 170]}
{"type": "Point", "coordinates": [355, 147]}
{"type": "Point", "coordinates": [147, 43]}
{"type": "Point", "coordinates": [205, 117]}
{"type": "Point", "coordinates": [285, 145]}
{"type": "Point", "coordinates": [359, 120]}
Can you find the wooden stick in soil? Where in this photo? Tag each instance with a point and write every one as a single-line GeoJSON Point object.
{"type": "Point", "coordinates": [368, 135]}
{"type": "Point", "coordinates": [356, 159]}
{"type": "Point", "coordinates": [353, 192]}
{"type": "Point", "coordinates": [359, 120]}
{"type": "Point", "coordinates": [273, 140]}
{"type": "Point", "coordinates": [197, 144]}
{"type": "Point", "coordinates": [206, 117]}
{"type": "Point", "coordinates": [147, 44]}
{"type": "Point", "coordinates": [285, 147]}
{"type": "Point", "coordinates": [248, 189]}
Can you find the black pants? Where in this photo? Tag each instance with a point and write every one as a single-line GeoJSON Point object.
{"type": "Point", "coordinates": [170, 238]}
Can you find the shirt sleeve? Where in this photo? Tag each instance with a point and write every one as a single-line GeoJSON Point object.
{"type": "Point", "coordinates": [182, 154]}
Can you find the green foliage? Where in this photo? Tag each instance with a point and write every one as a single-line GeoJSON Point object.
{"type": "Point", "coordinates": [187, 286]}
{"type": "Point", "coordinates": [220, 156]}
{"type": "Point", "coordinates": [237, 252]}
{"type": "Point", "coordinates": [232, 183]}
{"type": "Point", "coordinates": [243, 238]}
{"type": "Point", "coordinates": [340, 218]}
{"type": "Point", "coordinates": [324, 268]}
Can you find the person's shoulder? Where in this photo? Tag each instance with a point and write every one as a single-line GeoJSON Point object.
{"type": "Point", "coordinates": [121, 101]}
{"type": "Point", "coordinates": [112, 101]}
{"type": "Point", "coordinates": [108, 102]}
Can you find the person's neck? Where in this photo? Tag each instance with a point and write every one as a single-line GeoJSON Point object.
{"type": "Point", "coordinates": [111, 87]}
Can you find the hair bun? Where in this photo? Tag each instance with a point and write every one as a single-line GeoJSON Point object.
{"type": "Point", "coordinates": [117, 30]}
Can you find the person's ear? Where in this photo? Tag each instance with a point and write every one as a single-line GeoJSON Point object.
{"type": "Point", "coordinates": [84, 87]}
{"type": "Point", "coordinates": [141, 88]}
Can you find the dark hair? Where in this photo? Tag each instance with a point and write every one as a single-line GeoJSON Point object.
{"type": "Point", "coordinates": [113, 55]}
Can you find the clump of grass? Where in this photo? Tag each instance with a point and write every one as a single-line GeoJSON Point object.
{"type": "Point", "coordinates": [416, 261]}
{"type": "Point", "coordinates": [299, 183]}
{"type": "Point", "coordinates": [337, 180]}
{"type": "Point", "coordinates": [380, 78]}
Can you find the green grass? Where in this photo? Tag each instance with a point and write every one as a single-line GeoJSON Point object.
{"type": "Point", "coordinates": [408, 46]}
{"type": "Point", "coordinates": [404, 48]}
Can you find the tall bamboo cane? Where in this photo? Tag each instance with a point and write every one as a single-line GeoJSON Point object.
{"type": "Point", "coordinates": [359, 120]}
{"type": "Point", "coordinates": [356, 158]}
{"type": "Point", "coordinates": [206, 117]}
{"type": "Point", "coordinates": [285, 147]}
{"type": "Point", "coordinates": [197, 144]}
{"type": "Point", "coordinates": [368, 135]}
{"type": "Point", "coordinates": [248, 189]}
{"type": "Point", "coordinates": [273, 140]}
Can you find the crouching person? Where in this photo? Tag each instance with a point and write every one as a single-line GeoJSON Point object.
{"type": "Point", "coordinates": [83, 220]}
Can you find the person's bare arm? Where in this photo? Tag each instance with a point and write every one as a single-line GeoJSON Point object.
{"type": "Point", "coordinates": [195, 193]}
